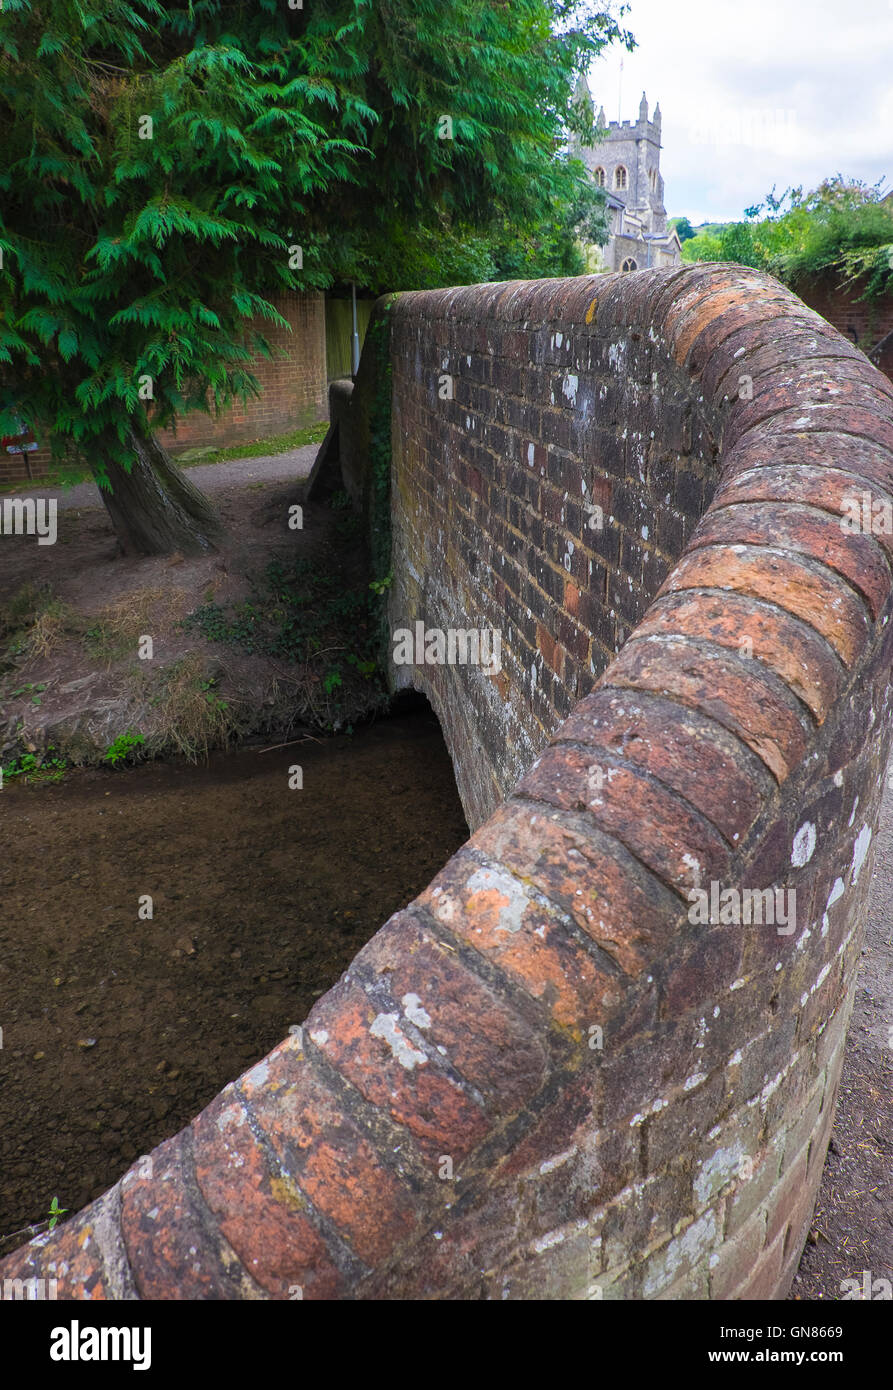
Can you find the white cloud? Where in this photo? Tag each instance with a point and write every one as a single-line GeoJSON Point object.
{"type": "Point", "coordinates": [782, 92]}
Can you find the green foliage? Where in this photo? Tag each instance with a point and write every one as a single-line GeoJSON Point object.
{"type": "Point", "coordinates": [737, 243]}
{"type": "Point", "coordinates": [684, 230]}
{"type": "Point", "coordinates": [734, 242]}
{"type": "Point", "coordinates": [705, 246]}
{"type": "Point", "coordinates": [123, 747]}
{"type": "Point", "coordinates": [31, 688]}
{"type": "Point", "coordinates": [54, 1213]}
{"type": "Point", "coordinates": [47, 766]}
{"type": "Point", "coordinates": [553, 245]}
{"type": "Point", "coordinates": [161, 160]}
{"type": "Point", "coordinates": [843, 227]}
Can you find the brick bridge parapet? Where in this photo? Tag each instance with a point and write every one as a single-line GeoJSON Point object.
{"type": "Point", "coordinates": [598, 1056]}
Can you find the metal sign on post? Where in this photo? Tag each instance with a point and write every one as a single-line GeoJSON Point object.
{"type": "Point", "coordinates": [22, 443]}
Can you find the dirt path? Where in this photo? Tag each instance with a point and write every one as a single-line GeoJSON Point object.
{"type": "Point", "coordinates": [293, 464]}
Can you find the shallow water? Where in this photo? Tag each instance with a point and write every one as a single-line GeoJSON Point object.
{"type": "Point", "coordinates": [118, 1029]}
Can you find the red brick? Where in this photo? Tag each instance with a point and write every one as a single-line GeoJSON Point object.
{"type": "Point", "coordinates": [731, 692]}
{"type": "Point", "coordinates": [261, 1214]}
{"type": "Point", "coordinates": [658, 826]}
{"type": "Point", "coordinates": [625, 911]}
{"type": "Point", "coordinates": [329, 1158]}
{"type": "Point", "coordinates": [687, 751]}
{"type": "Point", "coordinates": [482, 906]}
{"type": "Point", "coordinates": [789, 526]}
{"type": "Point", "coordinates": [821, 600]}
{"type": "Point", "coordinates": [793, 651]}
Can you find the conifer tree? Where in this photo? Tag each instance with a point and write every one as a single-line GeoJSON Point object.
{"type": "Point", "coordinates": [168, 169]}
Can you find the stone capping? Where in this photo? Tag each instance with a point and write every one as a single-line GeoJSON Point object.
{"type": "Point", "coordinates": [540, 1079]}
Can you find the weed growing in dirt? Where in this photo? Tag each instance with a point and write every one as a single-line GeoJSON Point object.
{"type": "Point", "coordinates": [34, 623]}
{"type": "Point", "coordinates": [32, 689]}
{"type": "Point", "coordinates": [48, 766]}
{"type": "Point", "coordinates": [11, 1239]}
{"type": "Point", "coordinates": [54, 1213]}
{"type": "Point", "coordinates": [122, 748]}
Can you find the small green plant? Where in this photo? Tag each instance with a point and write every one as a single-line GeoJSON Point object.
{"type": "Point", "coordinates": [122, 748]}
{"type": "Point", "coordinates": [35, 767]}
{"type": "Point", "coordinates": [211, 696]}
{"type": "Point", "coordinates": [31, 689]}
{"type": "Point", "coordinates": [365, 668]}
{"type": "Point", "coordinates": [332, 680]}
{"type": "Point", "coordinates": [380, 586]}
{"type": "Point", "coordinates": [22, 766]}
{"type": "Point", "coordinates": [55, 1212]}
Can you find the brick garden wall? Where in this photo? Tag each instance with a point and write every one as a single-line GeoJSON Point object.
{"type": "Point", "coordinates": [293, 392]}
{"type": "Point", "coordinates": [543, 1079]}
{"type": "Point", "coordinates": [294, 387]}
{"type": "Point", "coordinates": [865, 322]}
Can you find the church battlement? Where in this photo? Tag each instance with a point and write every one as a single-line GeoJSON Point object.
{"type": "Point", "coordinates": [620, 126]}
{"type": "Point", "coordinates": [643, 127]}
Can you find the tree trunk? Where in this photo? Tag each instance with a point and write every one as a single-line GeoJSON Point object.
{"type": "Point", "coordinates": [154, 508]}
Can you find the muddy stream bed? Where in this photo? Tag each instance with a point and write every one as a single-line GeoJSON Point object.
{"type": "Point", "coordinates": [117, 1030]}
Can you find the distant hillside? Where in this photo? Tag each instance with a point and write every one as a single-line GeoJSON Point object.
{"type": "Point", "coordinates": [704, 228]}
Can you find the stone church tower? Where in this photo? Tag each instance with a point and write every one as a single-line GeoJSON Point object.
{"type": "Point", "coordinates": [627, 166]}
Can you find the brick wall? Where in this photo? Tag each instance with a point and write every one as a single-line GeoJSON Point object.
{"type": "Point", "coordinates": [294, 388]}
{"type": "Point", "coordinates": [865, 322]}
{"type": "Point", "coordinates": [544, 1078]}
{"type": "Point", "coordinates": [293, 391]}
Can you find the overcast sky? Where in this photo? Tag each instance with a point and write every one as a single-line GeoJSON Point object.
{"type": "Point", "coordinates": [757, 93]}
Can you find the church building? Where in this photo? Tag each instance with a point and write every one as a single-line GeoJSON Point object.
{"type": "Point", "coordinates": [626, 164]}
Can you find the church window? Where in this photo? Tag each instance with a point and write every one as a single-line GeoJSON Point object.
{"type": "Point", "coordinates": [629, 264]}
{"type": "Point", "coordinates": [620, 178]}
{"type": "Point", "coordinates": [598, 175]}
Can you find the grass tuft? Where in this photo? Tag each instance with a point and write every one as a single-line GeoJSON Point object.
{"type": "Point", "coordinates": [116, 631]}
{"type": "Point", "coordinates": [191, 718]}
